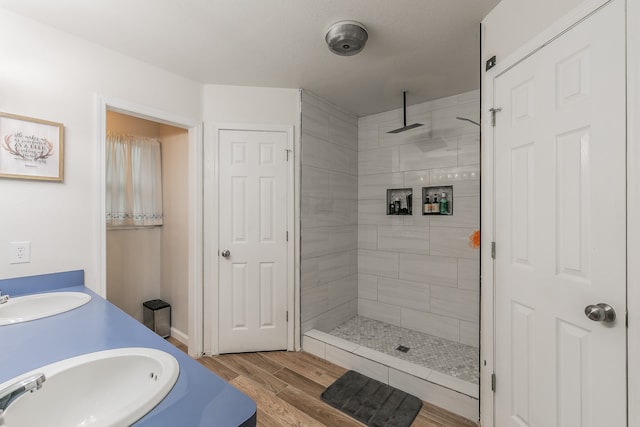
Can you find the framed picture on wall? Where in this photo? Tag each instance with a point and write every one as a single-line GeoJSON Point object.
{"type": "Point", "coordinates": [31, 148]}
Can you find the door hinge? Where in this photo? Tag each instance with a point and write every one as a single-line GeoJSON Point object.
{"type": "Point", "coordinates": [626, 319]}
{"type": "Point", "coordinates": [491, 62]}
{"type": "Point", "coordinates": [287, 151]}
{"type": "Point", "coordinates": [287, 236]}
{"type": "Point", "coordinates": [493, 112]}
{"type": "Point", "coordinates": [493, 382]}
{"type": "Point", "coordinates": [493, 250]}
{"type": "Point", "coordinates": [287, 315]}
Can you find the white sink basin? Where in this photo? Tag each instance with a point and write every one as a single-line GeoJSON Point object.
{"type": "Point", "coordinates": [108, 388]}
{"type": "Point", "coordinates": [37, 306]}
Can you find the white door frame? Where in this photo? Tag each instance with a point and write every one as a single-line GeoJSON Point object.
{"type": "Point", "coordinates": [211, 247]}
{"type": "Point", "coordinates": [633, 212]}
{"type": "Point", "coordinates": [487, 346]}
{"type": "Point", "coordinates": [194, 167]}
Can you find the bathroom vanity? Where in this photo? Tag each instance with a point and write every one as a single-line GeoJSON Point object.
{"type": "Point", "coordinates": [198, 398]}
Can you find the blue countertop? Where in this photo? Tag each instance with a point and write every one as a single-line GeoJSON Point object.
{"type": "Point", "coordinates": [199, 397]}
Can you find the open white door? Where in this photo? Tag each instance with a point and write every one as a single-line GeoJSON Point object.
{"type": "Point", "coordinates": [560, 230]}
{"type": "Point", "coordinates": [253, 240]}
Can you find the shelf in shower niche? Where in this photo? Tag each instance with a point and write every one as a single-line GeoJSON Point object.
{"type": "Point", "coordinates": [431, 207]}
{"type": "Point", "coordinates": [400, 201]}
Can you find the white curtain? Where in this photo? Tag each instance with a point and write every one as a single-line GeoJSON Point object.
{"type": "Point", "coordinates": [134, 181]}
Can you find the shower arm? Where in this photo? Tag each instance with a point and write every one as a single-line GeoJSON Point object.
{"type": "Point", "coordinates": [404, 108]}
{"type": "Point", "coordinates": [468, 120]}
{"type": "Point", "coordinates": [404, 117]}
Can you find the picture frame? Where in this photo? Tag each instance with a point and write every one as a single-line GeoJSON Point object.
{"type": "Point", "coordinates": [31, 148]}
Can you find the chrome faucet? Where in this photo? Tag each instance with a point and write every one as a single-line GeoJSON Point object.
{"type": "Point", "coordinates": [9, 394]}
{"type": "Point", "coordinates": [3, 298]}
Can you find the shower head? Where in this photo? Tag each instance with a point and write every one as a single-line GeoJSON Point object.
{"type": "Point", "coordinates": [468, 120]}
{"type": "Point", "coordinates": [346, 38]}
{"type": "Point", "coordinates": [406, 127]}
{"type": "Point", "coordinates": [404, 115]}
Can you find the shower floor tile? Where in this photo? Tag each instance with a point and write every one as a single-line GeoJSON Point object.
{"type": "Point", "coordinates": [448, 357]}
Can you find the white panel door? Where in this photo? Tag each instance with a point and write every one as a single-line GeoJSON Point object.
{"type": "Point", "coordinates": [560, 230]}
{"type": "Point", "coordinates": [253, 221]}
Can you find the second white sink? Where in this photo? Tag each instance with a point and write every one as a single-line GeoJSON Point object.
{"type": "Point", "coordinates": [107, 388]}
{"type": "Point", "coordinates": [37, 306]}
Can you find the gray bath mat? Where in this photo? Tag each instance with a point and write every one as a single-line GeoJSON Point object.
{"type": "Point", "coordinates": [372, 402]}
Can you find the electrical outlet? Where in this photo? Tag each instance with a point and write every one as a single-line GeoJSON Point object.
{"type": "Point", "coordinates": [19, 252]}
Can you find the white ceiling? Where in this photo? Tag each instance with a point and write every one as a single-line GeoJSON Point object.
{"type": "Point", "coordinates": [428, 47]}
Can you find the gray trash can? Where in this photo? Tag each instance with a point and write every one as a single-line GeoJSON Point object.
{"type": "Point", "coordinates": [157, 317]}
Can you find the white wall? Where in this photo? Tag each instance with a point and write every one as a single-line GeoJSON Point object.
{"type": "Point", "coordinates": [243, 104]}
{"type": "Point", "coordinates": [133, 268]}
{"type": "Point", "coordinates": [55, 76]}
{"type": "Point", "coordinates": [175, 229]}
{"type": "Point", "coordinates": [513, 22]}
{"type": "Point", "coordinates": [418, 271]}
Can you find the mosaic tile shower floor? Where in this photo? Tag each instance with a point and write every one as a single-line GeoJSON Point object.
{"type": "Point", "coordinates": [449, 357]}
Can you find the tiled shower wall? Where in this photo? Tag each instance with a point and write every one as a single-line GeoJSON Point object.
{"type": "Point", "coordinates": [417, 271]}
{"type": "Point", "coordinates": [329, 215]}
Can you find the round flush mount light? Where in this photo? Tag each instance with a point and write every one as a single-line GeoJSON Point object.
{"type": "Point", "coordinates": [346, 38]}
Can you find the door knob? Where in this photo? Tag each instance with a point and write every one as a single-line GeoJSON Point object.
{"type": "Point", "coordinates": [225, 253]}
{"type": "Point", "coordinates": [600, 312]}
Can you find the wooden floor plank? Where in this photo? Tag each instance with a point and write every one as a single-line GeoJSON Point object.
{"type": "Point", "coordinates": [265, 420]}
{"type": "Point", "coordinates": [272, 406]}
{"type": "Point", "coordinates": [297, 364]}
{"type": "Point", "coordinates": [178, 344]}
{"type": "Point", "coordinates": [437, 414]}
{"type": "Point", "coordinates": [316, 408]}
{"type": "Point", "coordinates": [220, 369]}
{"type": "Point", "coordinates": [422, 421]}
{"type": "Point", "coordinates": [243, 366]}
{"type": "Point", "coordinates": [334, 369]}
{"type": "Point", "coordinates": [264, 363]}
{"type": "Point", "coordinates": [300, 382]}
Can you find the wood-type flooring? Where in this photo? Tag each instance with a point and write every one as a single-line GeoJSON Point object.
{"type": "Point", "coordinates": [286, 387]}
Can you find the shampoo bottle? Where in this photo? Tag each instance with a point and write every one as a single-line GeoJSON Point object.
{"type": "Point", "coordinates": [444, 204]}
{"type": "Point", "coordinates": [435, 206]}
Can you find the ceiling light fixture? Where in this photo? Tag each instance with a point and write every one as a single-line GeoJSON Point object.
{"type": "Point", "coordinates": [346, 38]}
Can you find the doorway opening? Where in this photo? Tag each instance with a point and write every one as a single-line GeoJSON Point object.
{"type": "Point", "coordinates": [148, 259]}
{"type": "Point", "coordinates": [161, 262]}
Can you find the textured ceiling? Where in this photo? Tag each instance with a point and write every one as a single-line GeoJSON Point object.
{"type": "Point", "coordinates": [428, 47]}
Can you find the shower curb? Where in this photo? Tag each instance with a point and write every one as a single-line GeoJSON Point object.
{"type": "Point", "coordinates": [450, 393]}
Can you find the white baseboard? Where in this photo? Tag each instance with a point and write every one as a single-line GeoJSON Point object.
{"type": "Point", "coordinates": [180, 336]}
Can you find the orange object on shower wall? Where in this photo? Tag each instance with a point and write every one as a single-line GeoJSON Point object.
{"type": "Point", "coordinates": [474, 240]}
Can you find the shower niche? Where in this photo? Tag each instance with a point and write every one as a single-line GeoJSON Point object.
{"type": "Point", "coordinates": [437, 200]}
{"type": "Point", "coordinates": [400, 201]}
